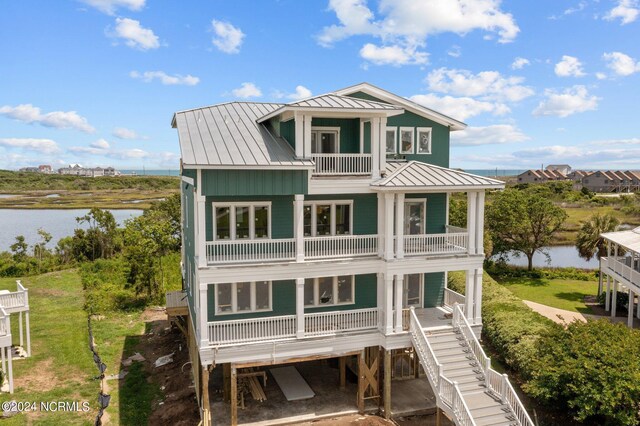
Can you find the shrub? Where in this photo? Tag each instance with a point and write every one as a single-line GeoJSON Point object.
{"type": "Point", "coordinates": [622, 299]}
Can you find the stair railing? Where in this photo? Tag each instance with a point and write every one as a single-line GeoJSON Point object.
{"type": "Point", "coordinates": [496, 382]}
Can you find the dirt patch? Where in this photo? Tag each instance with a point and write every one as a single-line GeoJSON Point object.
{"type": "Point", "coordinates": [38, 379]}
{"type": "Point", "coordinates": [47, 292]}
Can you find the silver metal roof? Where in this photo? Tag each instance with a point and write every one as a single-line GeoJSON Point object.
{"type": "Point", "coordinates": [630, 239]}
{"type": "Point", "coordinates": [228, 135]}
{"type": "Point", "coordinates": [417, 176]}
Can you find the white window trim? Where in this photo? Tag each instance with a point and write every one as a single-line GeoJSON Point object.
{"type": "Point", "coordinates": [319, 129]}
{"type": "Point", "coordinates": [232, 219]}
{"type": "Point", "coordinates": [332, 203]}
{"type": "Point", "coordinates": [405, 295]}
{"type": "Point", "coordinates": [413, 139]}
{"type": "Point", "coordinates": [423, 129]}
{"type": "Point", "coordinates": [334, 298]}
{"type": "Point", "coordinates": [395, 140]}
{"type": "Point", "coordinates": [234, 299]}
{"type": "Point", "coordinates": [424, 210]}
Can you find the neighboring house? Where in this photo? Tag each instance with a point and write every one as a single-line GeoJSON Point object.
{"type": "Point", "coordinates": [540, 176]}
{"type": "Point", "coordinates": [29, 169]}
{"type": "Point", "coordinates": [577, 175]}
{"type": "Point", "coordinates": [303, 242]}
{"type": "Point", "coordinates": [612, 181]}
{"type": "Point", "coordinates": [45, 168]}
{"type": "Point", "coordinates": [78, 170]}
{"type": "Point", "coordinates": [564, 169]}
{"type": "Point", "coordinates": [621, 270]}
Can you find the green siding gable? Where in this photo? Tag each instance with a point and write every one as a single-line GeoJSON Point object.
{"type": "Point", "coordinates": [254, 182]}
{"type": "Point", "coordinates": [288, 131]}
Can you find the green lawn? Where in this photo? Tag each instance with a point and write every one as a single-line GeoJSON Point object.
{"type": "Point", "coordinates": [61, 367]}
{"type": "Point", "coordinates": [558, 293]}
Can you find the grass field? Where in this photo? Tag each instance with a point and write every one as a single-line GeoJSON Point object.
{"type": "Point", "coordinates": [558, 293]}
{"type": "Point", "coordinates": [61, 367]}
{"type": "Point", "coordinates": [103, 198]}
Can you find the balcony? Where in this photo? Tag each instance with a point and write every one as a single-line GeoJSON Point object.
{"type": "Point", "coordinates": [342, 164]}
{"type": "Point", "coordinates": [623, 267]}
{"type": "Point", "coordinates": [331, 247]}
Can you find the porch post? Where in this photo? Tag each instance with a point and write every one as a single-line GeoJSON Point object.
{"type": "Point", "coordinates": [469, 293]}
{"type": "Point", "coordinates": [399, 289]}
{"type": "Point", "coordinates": [614, 301]}
{"type": "Point", "coordinates": [375, 147]}
{"type": "Point", "coordinates": [298, 225]}
{"type": "Point", "coordinates": [299, 308]}
{"type": "Point", "coordinates": [638, 309]}
{"type": "Point", "coordinates": [388, 226]}
{"type": "Point", "coordinates": [26, 319]}
{"type": "Point", "coordinates": [307, 136]}
{"type": "Point", "coordinates": [480, 223]}
{"type": "Point", "coordinates": [388, 304]}
{"type": "Point", "coordinates": [203, 317]}
{"type": "Point", "coordinates": [381, 222]}
{"type": "Point", "coordinates": [383, 143]}
{"type": "Point", "coordinates": [478, 296]}
{"type": "Point", "coordinates": [234, 395]}
{"type": "Point", "coordinates": [471, 221]}
{"type": "Point", "coordinates": [20, 330]}
{"type": "Point", "coordinates": [630, 309]}
{"type": "Point", "coordinates": [299, 134]}
{"type": "Point", "coordinates": [380, 300]}
{"type": "Point", "coordinates": [399, 225]}
{"type": "Point", "coordinates": [607, 301]}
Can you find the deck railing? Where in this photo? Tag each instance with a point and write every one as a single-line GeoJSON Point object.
{"type": "Point", "coordinates": [176, 299]}
{"type": "Point", "coordinates": [252, 330]}
{"type": "Point", "coordinates": [623, 266]}
{"type": "Point", "coordinates": [449, 243]}
{"type": "Point", "coordinates": [328, 323]}
{"type": "Point", "coordinates": [340, 246]}
{"type": "Point", "coordinates": [342, 164]}
{"type": "Point", "coordinates": [451, 298]}
{"type": "Point", "coordinates": [16, 300]}
{"type": "Point", "coordinates": [5, 324]}
{"type": "Point", "coordinates": [263, 250]}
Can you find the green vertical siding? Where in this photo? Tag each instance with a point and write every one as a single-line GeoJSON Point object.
{"type": "Point", "coordinates": [436, 211]}
{"type": "Point", "coordinates": [349, 132]}
{"type": "Point", "coordinates": [433, 289]}
{"type": "Point", "coordinates": [365, 210]}
{"type": "Point", "coordinates": [367, 136]}
{"type": "Point", "coordinates": [288, 131]}
{"type": "Point", "coordinates": [188, 241]}
{"type": "Point", "coordinates": [254, 182]}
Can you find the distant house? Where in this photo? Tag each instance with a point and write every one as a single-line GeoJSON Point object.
{"type": "Point", "coordinates": [45, 168]}
{"type": "Point", "coordinates": [577, 175]}
{"type": "Point", "coordinates": [29, 169]}
{"type": "Point", "coordinates": [540, 176]}
{"type": "Point", "coordinates": [565, 169]}
{"type": "Point", "coordinates": [78, 170]}
{"type": "Point", "coordinates": [612, 181]}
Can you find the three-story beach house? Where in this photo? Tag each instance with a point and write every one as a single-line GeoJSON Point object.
{"type": "Point", "coordinates": [318, 229]}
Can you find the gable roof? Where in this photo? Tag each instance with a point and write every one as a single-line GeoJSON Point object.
{"type": "Point", "coordinates": [228, 135]}
{"type": "Point", "coordinates": [630, 239]}
{"type": "Point", "coordinates": [417, 176]}
{"type": "Point", "coordinates": [335, 102]}
{"type": "Point", "coordinates": [407, 104]}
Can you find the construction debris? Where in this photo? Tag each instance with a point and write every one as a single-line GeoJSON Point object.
{"type": "Point", "coordinates": [135, 357]}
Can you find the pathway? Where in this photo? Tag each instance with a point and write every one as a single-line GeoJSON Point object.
{"type": "Point", "coordinates": [564, 317]}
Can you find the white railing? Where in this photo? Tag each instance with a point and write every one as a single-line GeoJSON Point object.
{"type": "Point", "coordinates": [327, 323]}
{"type": "Point", "coordinates": [5, 324]}
{"type": "Point", "coordinates": [340, 246]}
{"type": "Point", "coordinates": [342, 164]}
{"type": "Point", "coordinates": [16, 300]}
{"type": "Point", "coordinates": [451, 297]}
{"type": "Point", "coordinates": [622, 266]}
{"type": "Point", "coordinates": [497, 383]}
{"type": "Point", "coordinates": [264, 250]}
{"type": "Point", "coordinates": [450, 243]}
{"type": "Point", "coordinates": [252, 330]}
{"type": "Point", "coordinates": [176, 299]}
{"type": "Point", "coordinates": [447, 391]}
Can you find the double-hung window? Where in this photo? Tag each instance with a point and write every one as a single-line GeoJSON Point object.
{"type": "Point", "coordinates": [424, 140]}
{"type": "Point", "coordinates": [390, 140]}
{"type": "Point", "coordinates": [234, 298]}
{"type": "Point", "coordinates": [406, 140]}
{"type": "Point", "coordinates": [324, 218]}
{"type": "Point", "coordinates": [242, 221]}
{"type": "Point", "coordinates": [327, 291]}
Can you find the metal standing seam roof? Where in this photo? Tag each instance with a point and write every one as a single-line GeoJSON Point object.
{"type": "Point", "coordinates": [228, 135]}
{"type": "Point", "coordinates": [421, 176]}
{"type": "Point", "coordinates": [630, 239]}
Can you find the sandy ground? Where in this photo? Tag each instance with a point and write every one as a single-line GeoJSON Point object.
{"type": "Point", "coordinates": [564, 317]}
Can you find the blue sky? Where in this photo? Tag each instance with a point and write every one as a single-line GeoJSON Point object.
{"type": "Point", "coordinates": [96, 82]}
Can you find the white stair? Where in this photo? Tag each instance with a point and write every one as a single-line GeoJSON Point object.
{"type": "Point", "coordinates": [467, 388]}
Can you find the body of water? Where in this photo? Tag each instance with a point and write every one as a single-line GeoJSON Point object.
{"type": "Point", "coordinates": [59, 223]}
{"type": "Point", "coordinates": [495, 172]}
{"type": "Point", "coordinates": [561, 257]}
{"type": "Point", "coordinates": [141, 172]}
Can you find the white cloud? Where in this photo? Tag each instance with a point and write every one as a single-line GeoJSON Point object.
{"type": "Point", "coordinates": [44, 146]}
{"type": "Point", "coordinates": [393, 55]}
{"type": "Point", "coordinates": [227, 37]}
{"type": "Point", "coordinates": [569, 66]}
{"type": "Point", "coordinates": [519, 63]}
{"type": "Point", "coordinates": [300, 93]}
{"type": "Point", "coordinates": [621, 64]}
{"type": "Point", "coordinates": [570, 11]}
{"type": "Point", "coordinates": [489, 84]}
{"type": "Point", "coordinates": [626, 10]}
{"type": "Point", "coordinates": [124, 133]}
{"type": "Point", "coordinates": [460, 108]}
{"type": "Point", "coordinates": [101, 144]}
{"type": "Point", "coordinates": [57, 119]}
{"type": "Point", "coordinates": [601, 75]}
{"type": "Point", "coordinates": [110, 6]}
{"type": "Point", "coordinates": [164, 78]}
{"type": "Point", "coordinates": [135, 35]}
{"type": "Point", "coordinates": [455, 51]}
{"type": "Point", "coordinates": [570, 101]}
{"type": "Point", "coordinates": [489, 135]}
{"type": "Point", "coordinates": [247, 90]}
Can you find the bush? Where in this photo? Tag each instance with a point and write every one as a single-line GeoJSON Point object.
{"type": "Point", "coordinates": [502, 270]}
{"type": "Point", "coordinates": [622, 300]}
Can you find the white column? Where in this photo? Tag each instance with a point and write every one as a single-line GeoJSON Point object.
{"type": "Point", "coordinates": [381, 222]}
{"type": "Point", "coordinates": [20, 330]}
{"type": "Point", "coordinates": [478, 296]}
{"type": "Point", "coordinates": [638, 310]}
{"type": "Point", "coordinates": [26, 316]}
{"type": "Point", "coordinates": [388, 303]}
{"type": "Point", "coordinates": [607, 301]}
{"type": "Point", "coordinates": [383, 143]}
{"type": "Point", "coordinates": [299, 134]}
{"type": "Point", "coordinates": [298, 225]}
{"type": "Point", "coordinates": [480, 223]}
{"type": "Point", "coordinates": [471, 220]}
{"type": "Point", "coordinates": [388, 226]}
{"type": "Point", "coordinates": [299, 307]}
{"type": "Point", "coordinates": [380, 300]}
{"type": "Point", "coordinates": [9, 358]}
{"type": "Point", "coordinates": [307, 136]}
{"type": "Point", "coordinates": [203, 316]}
{"type": "Point", "coordinates": [201, 235]}
{"type": "Point", "coordinates": [469, 297]}
{"type": "Point", "coordinates": [375, 147]}
{"type": "Point", "coordinates": [399, 298]}
{"type": "Point", "coordinates": [614, 299]}
{"type": "Point", "coordinates": [361, 136]}
{"type": "Point", "coordinates": [399, 225]}
{"type": "Point", "coordinates": [630, 316]}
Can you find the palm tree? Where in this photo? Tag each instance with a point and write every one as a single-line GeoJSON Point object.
{"type": "Point", "coordinates": [589, 241]}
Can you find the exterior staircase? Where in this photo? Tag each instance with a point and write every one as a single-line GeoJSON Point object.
{"type": "Point", "coordinates": [466, 386]}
